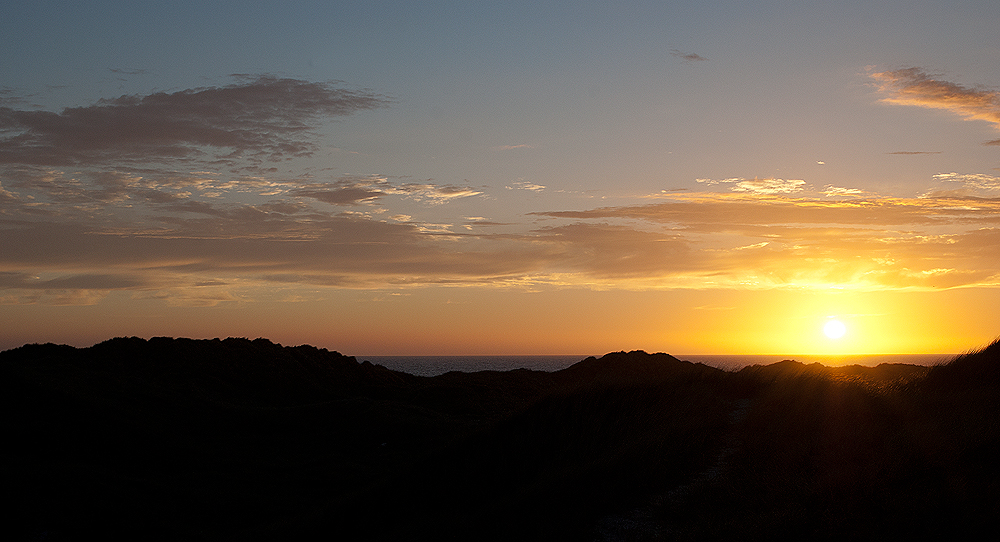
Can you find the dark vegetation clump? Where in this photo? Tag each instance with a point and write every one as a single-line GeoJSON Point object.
{"type": "Point", "coordinates": [179, 439]}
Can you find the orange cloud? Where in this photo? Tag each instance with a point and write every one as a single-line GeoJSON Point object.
{"type": "Point", "coordinates": [759, 186]}
{"type": "Point", "coordinates": [202, 252]}
{"type": "Point", "coordinates": [913, 86]}
{"type": "Point", "coordinates": [125, 221]}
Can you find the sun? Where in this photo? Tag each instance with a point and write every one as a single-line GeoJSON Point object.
{"type": "Point", "coordinates": [834, 329]}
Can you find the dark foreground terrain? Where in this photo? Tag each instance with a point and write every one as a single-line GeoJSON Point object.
{"type": "Point", "coordinates": [235, 439]}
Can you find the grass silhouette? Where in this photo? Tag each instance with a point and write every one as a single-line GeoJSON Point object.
{"type": "Point", "coordinates": [179, 439]}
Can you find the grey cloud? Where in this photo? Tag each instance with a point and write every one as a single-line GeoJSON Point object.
{"type": "Point", "coordinates": [157, 196]}
{"type": "Point", "coordinates": [70, 282]}
{"type": "Point", "coordinates": [434, 193]}
{"type": "Point", "coordinates": [126, 71]}
{"type": "Point", "coordinates": [721, 214]}
{"type": "Point", "coordinates": [198, 207]}
{"type": "Point", "coordinates": [357, 190]}
{"type": "Point", "coordinates": [10, 96]}
{"type": "Point", "coordinates": [263, 118]}
{"type": "Point", "coordinates": [283, 207]}
{"type": "Point", "coordinates": [340, 196]}
{"type": "Point", "coordinates": [338, 249]}
{"type": "Point", "coordinates": [687, 57]}
{"type": "Point", "coordinates": [348, 190]}
{"type": "Point", "coordinates": [7, 196]}
{"type": "Point", "coordinates": [129, 187]}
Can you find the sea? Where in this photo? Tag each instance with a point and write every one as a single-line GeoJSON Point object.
{"type": "Point", "coordinates": [438, 365]}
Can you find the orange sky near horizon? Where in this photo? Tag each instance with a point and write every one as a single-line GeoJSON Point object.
{"type": "Point", "coordinates": [525, 178]}
{"type": "Point", "coordinates": [553, 321]}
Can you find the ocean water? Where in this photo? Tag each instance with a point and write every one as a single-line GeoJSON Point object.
{"type": "Point", "coordinates": [437, 365]}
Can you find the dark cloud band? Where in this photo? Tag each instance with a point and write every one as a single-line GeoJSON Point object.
{"type": "Point", "coordinates": [265, 118]}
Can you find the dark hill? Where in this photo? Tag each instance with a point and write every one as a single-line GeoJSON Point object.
{"type": "Point", "coordinates": [631, 368]}
{"type": "Point", "coordinates": [236, 439]}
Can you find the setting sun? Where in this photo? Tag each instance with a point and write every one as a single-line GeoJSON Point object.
{"type": "Point", "coordinates": [834, 329]}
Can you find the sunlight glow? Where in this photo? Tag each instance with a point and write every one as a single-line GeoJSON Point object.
{"type": "Point", "coordinates": [834, 329]}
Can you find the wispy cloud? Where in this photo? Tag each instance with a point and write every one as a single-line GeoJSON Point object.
{"type": "Point", "coordinates": [525, 185]}
{"type": "Point", "coordinates": [128, 71]}
{"type": "Point", "coordinates": [687, 57]}
{"type": "Point", "coordinates": [915, 87]}
{"type": "Point", "coordinates": [264, 118]}
{"type": "Point", "coordinates": [839, 192]}
{"type": "Point", "coordinates": [732, 240]}
{"type": "Point", "coordinates": [914, 153]}
{"type": "Point", "coordinates": [963, 185]}
{"type": "Point", "coordinates": [759, 186]}
{"type": "Point", "coordinates": [357, 190]}
{"type": "Point", "coordinates": [208, 252]}
{"type": "Point", "coordinates": [173, 198]}
{"type": "Point", "coordinates": [512, 147]}
{"type": "Point", "coordinates": [433, 193]}
{"type": "Point", "coordinates": [345, 191]}
{"type": "Point", "coordinates": [7, 196]}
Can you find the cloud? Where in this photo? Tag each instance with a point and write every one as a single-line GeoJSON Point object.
{"type": "Point", "coordinates": [871, 242]}
{"type": "Point", "coordinates": [965, 185]}
{"type": "Point", "coordinates": [355, 190]}
{"type": "Point", "coordinates": [433, 193]}
{"type": "Point", "coordinates": [78, 289]}
{"type": "Point", "coordinates": [724, 212]}
{"type": "Point", "coordinates": [7, 196]}
{"type": "Point", "coordinates": [838, 192]}
{"type": "Point", "coordinates": [759, 186]}
{"type": "Point", "coordinates": [512, 147]}
{"type": "Point", "coordinates": [58, 191]}
{"type": "Point", "coordinates": [11, 96]}
{"type": "Point", "coordinates": [605, 251]}
{"type": "Point", "coordinates": [913, 153]}
{"type": "Point", "coordinates": [977, 180]}
{"type": "Point", "coordinates": [72, 282]}
{"type": "Point", "coordinates": [687, 57]}
{"type": "Point", "coordinates": [345, 191]}
{"type": "Point", "coordinates": [169, 198]}
{"type": "Point", "coordinates": [204, 252]}
{"type": "Point", "coordinates": [915, 87]}
{"type": "Point", "coordinates": [265, 118]}
{"type": "Point", "coordinates": [525, 185]}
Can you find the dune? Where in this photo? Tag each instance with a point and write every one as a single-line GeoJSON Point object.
{"type": "Point", "coordinates": [236, 439]}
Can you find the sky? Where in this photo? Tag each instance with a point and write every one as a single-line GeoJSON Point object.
{"type": "Point", "coordinates": [448, 178]}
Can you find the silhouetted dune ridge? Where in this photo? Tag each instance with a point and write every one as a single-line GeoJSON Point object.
{"type": "Point", "coordinates": [238, 439]}
{"type": "Point", "coordinates": [980, 368]}
{"type": "Point", "coordinates": [636, 367]}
